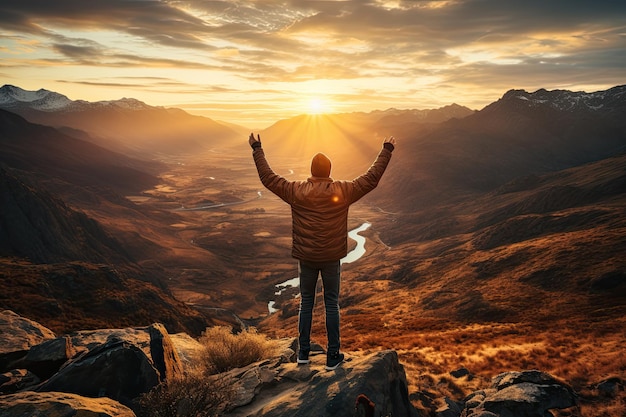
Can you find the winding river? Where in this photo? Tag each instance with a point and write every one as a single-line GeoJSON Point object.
{"type": "Point", "coordinates": [352, 256]}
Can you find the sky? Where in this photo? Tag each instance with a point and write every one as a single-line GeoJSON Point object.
{"type": "Point", "coordinates": [256, 62]}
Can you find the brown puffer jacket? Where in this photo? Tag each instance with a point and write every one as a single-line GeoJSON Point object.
{"type": "Point", "coordinates": [319, 207]}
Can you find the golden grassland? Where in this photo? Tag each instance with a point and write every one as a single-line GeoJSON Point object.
{"type": "Point", "coordinates": [580, 353]}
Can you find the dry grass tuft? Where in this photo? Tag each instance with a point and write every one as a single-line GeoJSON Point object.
{"type": "Point", "coordinates": [226, 350]}
{"type": "Point", "coordinates": [201, 392]}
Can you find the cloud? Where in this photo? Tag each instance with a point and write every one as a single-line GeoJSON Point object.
{"type": "Point", "coordinates": [78, 52]}
{"type": "Point", "coordinates": [295, 25]}
{"type": "Point", "coordinates": [146, 18]}
{"type": "Point", "coordinates": [428, 46]}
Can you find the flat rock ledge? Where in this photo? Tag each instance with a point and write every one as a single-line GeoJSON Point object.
{"type": "Point", "coordinates": [365, 384]}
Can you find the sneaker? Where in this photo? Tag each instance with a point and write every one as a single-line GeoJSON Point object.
{"type": "Point", "coordinates": [303, 357]}
{"type": "Point", "coordinates": [333, 360]}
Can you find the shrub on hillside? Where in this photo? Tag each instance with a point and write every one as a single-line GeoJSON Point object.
{"type": "Point", "coordinates": [226, 350]}
{"type": "Point", "coordinates": [193, 395]}
{"type": "Point", "coordinates": [199, 393]}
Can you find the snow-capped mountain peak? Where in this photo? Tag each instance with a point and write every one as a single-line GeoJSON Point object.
{"type": "Point", "coordinates": [127, 103]}
{"type": "Point", "coordinates": [564, 100]}
{"type": "Point", "coordinates": [49, 101]}
{"type": "Point", "coordinates": [44, 100]}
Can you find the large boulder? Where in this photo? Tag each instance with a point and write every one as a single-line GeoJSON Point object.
{"type": "Point", "coordinates": [275, 388]}
{"type": "Point", "coordinates": [116, 369]}
{"type": "Point", "coordinates": [520, 394]}
{"type": "Point", "coordinates": [17, 336]}
{"type": "Point", "coordinates": [120, 364]}
{"type": "Point", "coordinates": [85, 340]}
{"type": "Point", "coordinates": [56, 404]}
{"type": "Point", "coordinates": [45, 359]}
{"type": "Point", "coordinates": [153, 340]}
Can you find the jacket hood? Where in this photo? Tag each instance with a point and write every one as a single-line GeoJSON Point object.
{"type": "Point", "coordinates": [320, 166]}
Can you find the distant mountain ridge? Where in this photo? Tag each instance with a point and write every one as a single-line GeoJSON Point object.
{"type": "Point", "coordinates": [520, 134]}
{"type": "Point", "coordinates": [350, 139]}
{"type": "Point", "coordinates": [446, 149]}
{"type": "Point", "coordinates": [437, 115]}
{"type": "Point", "coordinates": [12, 97]}
{"type": "Point", "coordinates": [126, 125]}
{"type": "Point", "coordinates": [564, 100]}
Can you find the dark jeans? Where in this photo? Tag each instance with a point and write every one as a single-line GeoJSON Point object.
{"type": "Point", "coordinates": [331, 277]}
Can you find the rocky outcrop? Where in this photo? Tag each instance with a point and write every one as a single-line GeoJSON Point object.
{"type": "Point", "coordinates": [17, 336]}
{"type": "Point", "coordinates": [117, 369]}
{"type": "Point", "coordinates": [46, 358]}
{"type": "Point", "coordinates": [57, 404]}
{"type": "Point", "coordinates": [520, 394]}
{"type": "Point", "coordinates": [374, 383]}
{"type": "Point", "coordinates": [190, 351]}
{"type": "Point", "coordinates": [128, 363]}
{"type": "Point", "coordinates": [120, 364]}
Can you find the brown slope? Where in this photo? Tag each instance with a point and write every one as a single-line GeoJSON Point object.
{"type": "Point", "coordinates": [144, 130]}
{"type": "Point", "coordinates": [40, 227]}
{"type": "Point", "coordinates": [50, 153]}
{"type": "Point", "coordinates": [542, 249]}
{"type": "Point", "coordinates": [529, 276]}
{"type": "Point", "coordinates": [519, 135]}
{"type": "Point", "coordinates": [44, 235]}
{"type": "Point", "coordinates": [91, 179]}
{"type": "Point", "coordinates": [74, 296]}
{"type": "Point", "coordinates": [61, 268]}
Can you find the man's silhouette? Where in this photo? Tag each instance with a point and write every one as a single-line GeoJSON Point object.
{"type": "Point", "coordinates": [319, 211]}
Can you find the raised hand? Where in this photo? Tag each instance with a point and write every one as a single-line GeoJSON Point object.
{"type": "Point", "coordinates": [389, 143]}
{"type": "Point", "coordinates": [252, 141]}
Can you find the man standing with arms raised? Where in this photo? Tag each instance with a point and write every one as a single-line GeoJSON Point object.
{"type": "Point", "coordinates": [319, 211]}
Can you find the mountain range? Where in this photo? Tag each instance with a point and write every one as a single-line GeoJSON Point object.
{"type": "Point", "coordinates": [126, 125]}
{"type": "Point", "coordinates": [131, 126]}
{"type": "Point", "coordinates": [521, 134]}
{"type": "Point", "coordinates": [526, 195]}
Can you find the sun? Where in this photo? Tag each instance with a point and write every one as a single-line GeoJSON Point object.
{"type": "Point", "coordinates": [317, 106]}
